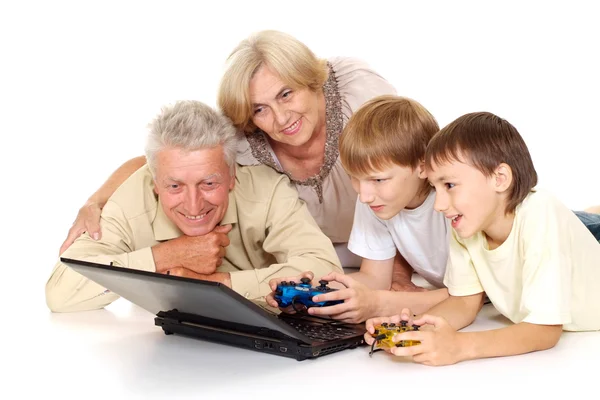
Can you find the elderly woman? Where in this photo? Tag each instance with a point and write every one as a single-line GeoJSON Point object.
{"type": "Point", "coordinates": [292, 107]}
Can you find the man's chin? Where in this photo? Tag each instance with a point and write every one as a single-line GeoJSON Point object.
{"type": "Point", "coordinates": [196, 230]}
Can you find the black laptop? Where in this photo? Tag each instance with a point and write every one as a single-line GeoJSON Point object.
{"type": "Point", "coordinates": [214, 312]}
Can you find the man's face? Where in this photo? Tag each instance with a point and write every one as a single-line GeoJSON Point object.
{"type": "Point", "coordinates": [193, 187]}
{"type": "Point", "coordinates": [391, 190]}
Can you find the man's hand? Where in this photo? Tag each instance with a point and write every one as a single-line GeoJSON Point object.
{"type": "Point", "coordinates": [270, 299]}
{"type": "Point", "coordinates": [360, 302]}
{"type": "Point", "coordinates": [88, 220]}
{"type": "Point", "coordinates": [221, 277]}
{"type": "Point", "coordinates": [199, 254]}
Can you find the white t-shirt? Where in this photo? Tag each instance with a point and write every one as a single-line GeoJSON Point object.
{"type": "Point", "coordinates": [421, 235]}
{"type": "Point", "coordinates": [547, 271]}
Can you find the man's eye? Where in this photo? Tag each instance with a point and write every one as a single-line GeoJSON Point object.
{"type": "Point", "coordinates": [173, 186]}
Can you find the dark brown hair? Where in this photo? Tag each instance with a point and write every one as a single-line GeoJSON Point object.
{"type": "Point", "coordinates": [485, 141]}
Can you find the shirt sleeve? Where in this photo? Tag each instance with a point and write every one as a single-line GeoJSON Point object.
{"type": "Point", "coordinates": [294, 239]}
{"type": "Point", "coordinates": [69, 291]}
{"type": "Point", "coordinates": [460, 278]}
{"type": "Point", "coordinates": [370, 237]}
{"type": "Point", "coordinates": [547, 266]}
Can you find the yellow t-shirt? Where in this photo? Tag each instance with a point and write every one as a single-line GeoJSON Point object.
{"type": "Point", "coordinates": [547, 271]}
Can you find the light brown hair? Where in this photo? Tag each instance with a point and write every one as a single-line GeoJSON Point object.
{"type": "Point", "coordinates": [291, 59]}
{"type": "Point", "coordinates": [386, 130]}
{"type": "Point", "coordinates": [485, 141]}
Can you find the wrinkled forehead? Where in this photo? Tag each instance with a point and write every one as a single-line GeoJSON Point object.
{"type": "Point", "coordinates": [191, 164]}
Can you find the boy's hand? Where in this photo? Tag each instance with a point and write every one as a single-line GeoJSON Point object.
{"type": "Point", "coordinates": [270, 299]}
{"type": "Point", "coordinates": [439, 346]}
{"type": "Point", "coordinates": [360, 302]}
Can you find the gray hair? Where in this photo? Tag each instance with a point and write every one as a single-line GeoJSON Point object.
{"type": "Point", "coordinates": [190, 125]}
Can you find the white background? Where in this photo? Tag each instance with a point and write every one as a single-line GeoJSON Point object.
{"type": "Point", "coordinates": [79, 81]}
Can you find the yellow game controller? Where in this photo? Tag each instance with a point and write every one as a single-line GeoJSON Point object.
{"type": "Point", "coordinates": [385, 332]}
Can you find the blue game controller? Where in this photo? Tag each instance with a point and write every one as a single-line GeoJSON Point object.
{"type": "Point", "coordinates": [293, 294]}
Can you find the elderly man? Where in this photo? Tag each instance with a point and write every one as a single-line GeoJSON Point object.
{"type": "Point", "coordinates": [190, 212]}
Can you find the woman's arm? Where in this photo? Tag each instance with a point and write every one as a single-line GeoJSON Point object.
{"type": "Point", "coordinates": [88, 217]}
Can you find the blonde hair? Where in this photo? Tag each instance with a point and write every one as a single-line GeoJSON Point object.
{"type": "Point", "coordinates": [384, 131]}
{"type": "Point", "coordinates": [291, 59]}
{"type": "Point", "coordinates": [190, 125]}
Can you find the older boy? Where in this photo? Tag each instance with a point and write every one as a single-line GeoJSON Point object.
{"type": "Point", "coordinates": [535, 260]}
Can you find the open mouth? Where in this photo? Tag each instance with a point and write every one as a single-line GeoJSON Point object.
{"type": "Point", "coordinates": [196, 218]}
{"type": "Point", "coordinates": [294, 128]}
{"type": "Point", "coordinates": [456, 220]}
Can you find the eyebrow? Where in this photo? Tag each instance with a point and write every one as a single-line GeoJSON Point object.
{"type": "Point", "coordinates": [206, 178]}
{"type": "Point", "coordinates": [443, 178]}
{"type": "Point", "coordinates": [278, 95]}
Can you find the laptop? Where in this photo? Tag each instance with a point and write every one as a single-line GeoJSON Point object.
{"type": "Point", "coordinates": [213, 312]}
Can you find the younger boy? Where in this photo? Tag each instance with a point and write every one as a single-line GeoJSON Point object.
{"type": "Point", "coordinates": [531, 255]}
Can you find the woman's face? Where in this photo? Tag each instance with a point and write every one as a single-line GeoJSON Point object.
{"type": "Point", "coordinates": [289, 116]}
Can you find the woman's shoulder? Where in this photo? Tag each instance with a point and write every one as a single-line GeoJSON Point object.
{"type": "Point", "coordinates": [357, 81]}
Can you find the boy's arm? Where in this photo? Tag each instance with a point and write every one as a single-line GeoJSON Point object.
{"type": "Point", "coordinates": [458, 311]}
{"type": "Point", "coordinates": [375, 274]}
{"type": "Point", "coordinates": [88, 217]}
{"type": "Point", "coordinates": [515, 339]}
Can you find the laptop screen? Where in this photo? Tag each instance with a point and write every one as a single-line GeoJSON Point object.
{"type": "Point", "coordinates": [158, 292]}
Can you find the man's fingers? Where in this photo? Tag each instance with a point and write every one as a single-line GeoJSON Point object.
{"type": "Point", "coordinates": [223, 228]}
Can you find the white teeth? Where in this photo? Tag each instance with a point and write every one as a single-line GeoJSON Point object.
{"type": "Point", "coordinates": [292, 127]}
{"type": "Point", "coordinates": [456, 217]}
{"type": "Point", "coordinates": [195, 216]}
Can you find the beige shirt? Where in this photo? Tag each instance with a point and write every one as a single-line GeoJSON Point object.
{"type": "Point", "coordinates": [273, 235]}
{"type": "Point", "coordinates": [547, 271]}
{"type": "Point", "coordinates": [329, 195]}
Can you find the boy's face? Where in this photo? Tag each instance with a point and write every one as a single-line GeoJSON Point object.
{"type": "Point", "coordinates": [465, 195]}
{"type": "Point", "coordinates": [391, 190]}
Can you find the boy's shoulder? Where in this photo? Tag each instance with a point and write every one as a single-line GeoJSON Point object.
{"type": "Point", "coordinates": [540, 201]}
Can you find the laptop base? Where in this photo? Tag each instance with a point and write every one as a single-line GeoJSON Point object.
{"type": "Point", "coordinates": [173, 322]}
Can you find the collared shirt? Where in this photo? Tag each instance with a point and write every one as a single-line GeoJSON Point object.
{"type": "Point", "coordinates": [273, 235]}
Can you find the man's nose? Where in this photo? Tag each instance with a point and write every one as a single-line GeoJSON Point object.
{"type": "Point", "coordinates": [194, 201]}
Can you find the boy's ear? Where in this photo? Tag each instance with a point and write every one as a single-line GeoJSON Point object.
{"type": "Point", "coordinates": [422, 172]}
{"type": "Point", "coordinates": [502, 177]}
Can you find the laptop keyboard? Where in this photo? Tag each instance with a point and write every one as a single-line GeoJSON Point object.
{"type": "Point", "coordinates": [321, 332]}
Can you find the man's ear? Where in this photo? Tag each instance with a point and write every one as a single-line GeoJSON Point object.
{"type": "Point", "coordinates": [421, 168]}
{"type": "Point", "coordinates": [502, 177]}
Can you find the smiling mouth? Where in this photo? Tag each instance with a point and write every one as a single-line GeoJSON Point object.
{"type": "Point", "coordinates": [455, 219]}
{"type": "Point", "coordinates": [196, 217]}
{"type": "Point", "coordinates": [292, 128]}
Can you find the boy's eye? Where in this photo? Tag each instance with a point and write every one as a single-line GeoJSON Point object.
{"type": "Point", "coordinates": [449, 185]}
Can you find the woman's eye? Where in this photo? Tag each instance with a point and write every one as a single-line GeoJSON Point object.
{"type": "Point", "coordinates": [257, 110]}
